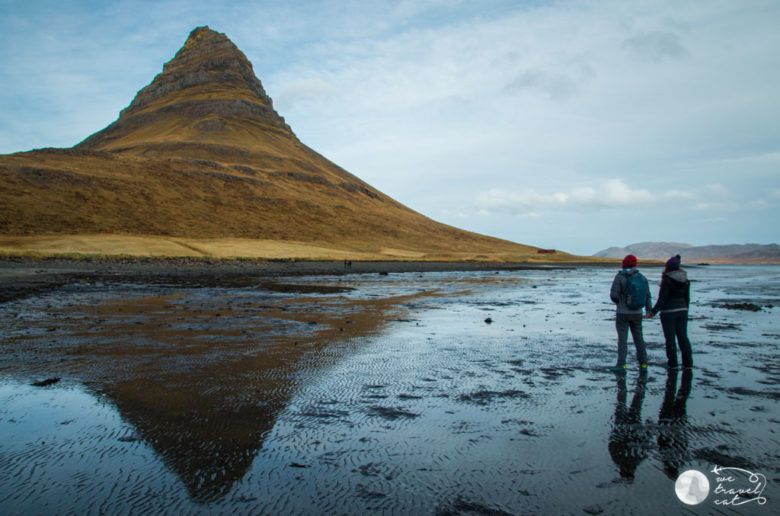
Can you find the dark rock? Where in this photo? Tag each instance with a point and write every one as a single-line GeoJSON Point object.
{"type": "Point", "coordinates": [391, 413]}
{"type": "Point", "coordinates": [741, 306]}
{"type": "Point", "coordinates": [46, 382]}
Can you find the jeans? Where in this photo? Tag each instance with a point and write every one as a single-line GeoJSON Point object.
{"type": "Point", "coordinates": [624, 322]}
{"type": "Point", "coordinates": [675, 326]}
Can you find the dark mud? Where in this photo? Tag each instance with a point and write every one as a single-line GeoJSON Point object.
{"type": "Point", "coordinates": [367, 393]}
{"type": "Point", "coordinates": [750, 307]}
{"type": "Point", "coordinates": [22, 277]}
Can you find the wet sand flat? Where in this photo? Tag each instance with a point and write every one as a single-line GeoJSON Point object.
{"type": "Point", "coordinates": [21, 277]}
{"type": "Point", "coordinates": [447, 392]}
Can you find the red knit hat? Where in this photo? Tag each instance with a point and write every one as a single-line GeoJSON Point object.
{"type": "Point", "coordinates": [629, 261]}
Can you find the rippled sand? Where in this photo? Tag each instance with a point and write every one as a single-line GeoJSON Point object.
{"type": "Point", "coordinates": [449, 393]}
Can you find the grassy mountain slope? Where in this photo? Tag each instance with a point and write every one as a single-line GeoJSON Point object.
{"type": "Point", "coordinates": [200, 157]}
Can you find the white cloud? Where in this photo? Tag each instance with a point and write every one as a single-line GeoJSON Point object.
{"type": "Point", "coordinates": [678, 195]}
{"type": "Point", "coordinates": [305, 90]}
{"type": "Point", "coordinates": [557, 86]}
{"type": "Point", "coordinates": [655, 46]}
{"type": "Point", "coordinates": [454, 214]}
{"type": "Point", "coordinates": [617, 193]}
{"type": "Point", "coordinates": [714, 206]}
{"type": "Point", "coordinates": [759, 204]}
{"type": "Point", "coordinates": [613, 193]}
{"type": "Point", "coordinates": [717, 189]}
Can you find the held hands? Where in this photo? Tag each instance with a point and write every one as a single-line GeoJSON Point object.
{"type": "Point", "coordinates": [649, 315]}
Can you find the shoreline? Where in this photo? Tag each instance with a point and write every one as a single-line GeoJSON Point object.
{"type": "Point", "coordinates": [21, 277]}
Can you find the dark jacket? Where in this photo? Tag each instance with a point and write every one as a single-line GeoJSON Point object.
{"type": "Point", "coordinates": [675, 293]}
{"type": "Point", "coordinates": [618, 292]}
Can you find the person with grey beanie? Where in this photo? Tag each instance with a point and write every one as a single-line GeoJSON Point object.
{"type": "Point", "coordinates": [674, 298]}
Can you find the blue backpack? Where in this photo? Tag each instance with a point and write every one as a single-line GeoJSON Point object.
{"type": "Point", "coordinates": [636, 291]}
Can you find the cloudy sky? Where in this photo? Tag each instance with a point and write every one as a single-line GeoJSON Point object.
{"type": "Point", "coordinates": [567, 124]}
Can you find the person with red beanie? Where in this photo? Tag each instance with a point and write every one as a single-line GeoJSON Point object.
{"type": "Point", "coordinates": [630, 292]}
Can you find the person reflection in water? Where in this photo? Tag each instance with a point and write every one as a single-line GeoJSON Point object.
{"type": "Point", "coordinates": [629, 439]}
{"type": "Point", "coordinates": [673, 424]}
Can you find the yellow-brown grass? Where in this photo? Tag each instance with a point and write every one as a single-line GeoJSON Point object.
{"type": "Point", "coordinates": [108, 245]}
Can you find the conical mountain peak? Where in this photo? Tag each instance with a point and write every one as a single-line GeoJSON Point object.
{"type": "Point", "coordinates": [207, 94]}
{"type": "Point", "coordinates": [208, 59]}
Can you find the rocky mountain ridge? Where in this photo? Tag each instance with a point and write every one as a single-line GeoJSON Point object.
{"type": "Point", "coordinates": [734, 253]}
{"type": "Point", "coordinates": [207, 87]}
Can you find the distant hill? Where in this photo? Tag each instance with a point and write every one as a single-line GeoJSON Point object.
{"type": "Point", "coordinates": [200, 163]}
{"type": "Point", "coordinates": [735, 253]}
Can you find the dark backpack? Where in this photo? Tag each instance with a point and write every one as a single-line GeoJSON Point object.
{"type": "Point", "coordinates": [636, 291]}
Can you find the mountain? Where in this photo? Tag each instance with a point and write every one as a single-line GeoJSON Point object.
{"type": "Point", "coordinates": [647, 250]}
{"type": "Point", "coordinates": [735, 253]}
{"type": "Point", "coordinates": [200, 163]}
{"type": "Point", "coordinates": [207, 102]}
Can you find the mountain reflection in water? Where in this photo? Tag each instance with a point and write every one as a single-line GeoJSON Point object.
{"type": "Point", "coordinates": [201, 377]}
{"type": "Point", "coordinates": [207, 426]}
